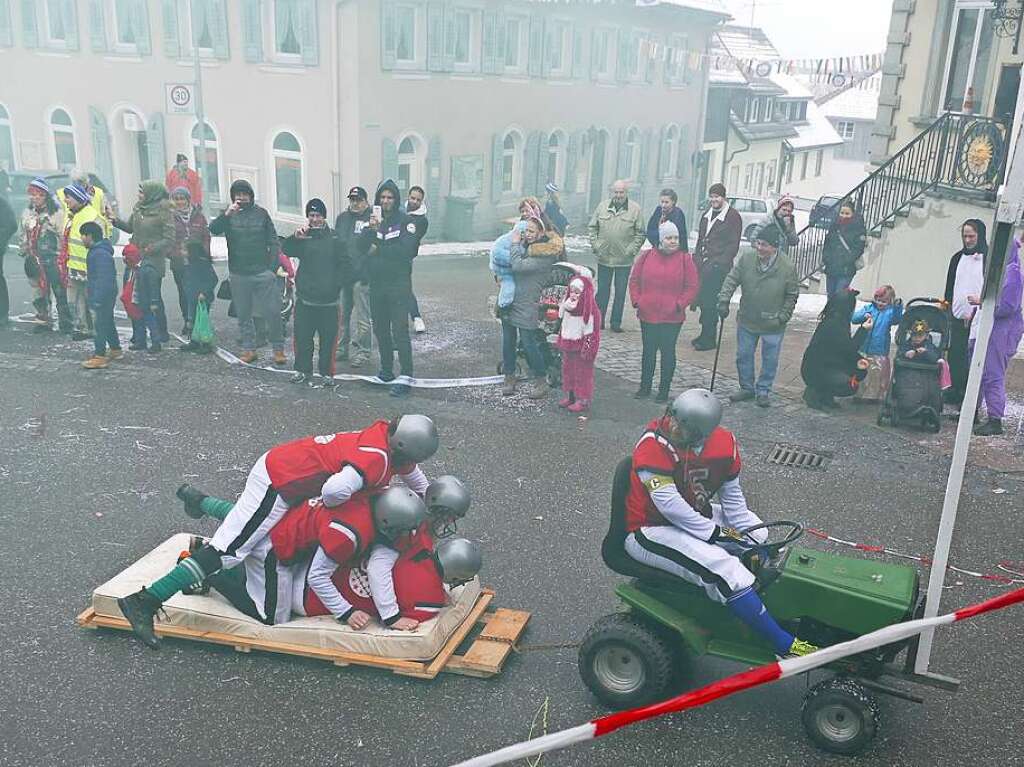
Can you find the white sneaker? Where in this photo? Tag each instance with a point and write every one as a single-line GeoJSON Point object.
{"type": "Point", "coordinates": [418, 326]}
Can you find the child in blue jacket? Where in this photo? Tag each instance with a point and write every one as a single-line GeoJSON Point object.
{"type": "Point", "coordinates": [101, 294]}
{"type": "Point", "coordinates": [879, 317]}
{"type": "Point", "coordinates": [501, 266]}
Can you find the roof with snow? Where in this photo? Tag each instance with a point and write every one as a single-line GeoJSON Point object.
{"type": "Point", "coordinates": [816, 132]}
{"type": "Point", "coordinates": [856, 103]}
{"type": "Point", "coordinates": [716, 7]}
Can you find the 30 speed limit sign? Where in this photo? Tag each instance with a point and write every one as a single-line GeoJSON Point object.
{"type": "Point", "coordinates": [180, 98]}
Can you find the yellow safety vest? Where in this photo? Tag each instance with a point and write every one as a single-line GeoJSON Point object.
{"type": "Point", "coordinates": [96, 202]}
{"type": "Point", "coordinates": [77, 251]}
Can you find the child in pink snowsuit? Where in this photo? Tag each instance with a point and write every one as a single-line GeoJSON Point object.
{"type": "Point", "coordinates": [578, 339]}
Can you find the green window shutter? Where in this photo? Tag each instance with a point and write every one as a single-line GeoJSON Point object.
{"type": "Point", "coordinates": [499, 39]}
{"type": "Point", "coordinates": [97, 27]}
{"type": "Point", "coordinates": [497, 153]}
{"type": "Point", "coordinates": [532, 162]}
{"type": "Point", "coordinates": [572, 158]}
{"type": "Point", "coordinates": [621, 161]}
{"type": "Point", "coordinates": [102, 157]}
{"type": "Point", "coordinates": [140, 22]}
{"type": "Point", "coordinates": [435, 37]}
{"type": "Point", "coordinates": [252, 30]}
{"type": "Point", "coordinates": [664, 155]}
{"type": "Point", "coordinates": [388, 159]}
{"type": "Point", "coordinates": [218, 11]}
{"type": "Point", "coordinates": [547, 49]}
{"type": "Point", "coordinates": [542, 164]}
{"type": "Point", "coordinates": [433, 181]}
{"type": "Point", "coordinates": [6, 25]}
{"type": "Point", "coordinates": [70, 13]}
{"type": "Point", "coordinates": [579, 65]}
{"type": "Point", "coordinates": [156, 145]}
{"type": "Point", "coordinates": [309, 33]}
{"type": "Point", "coordinates": [449, 37]}
{"type": "Point", "coordinates": [172, 44]}
{"type": "Point", "coordinates": [623, 42]}
{"type": "Point", "coordinates": [489, 43]}
{"type": "Point", "coordinates": [683, 152]}
{"type": "Point", "coordinates": [535, 57]}
{"type": "Point", "coordinates": [645, 154]}
{"type": "Point", "coordinates": [388, 34]}
{"type": "Point", "coordinates": [595, 61]}
{"type": "Point", "coordinates": [649, 61]}
{"type": "Point", "coordinates": [29, 24]}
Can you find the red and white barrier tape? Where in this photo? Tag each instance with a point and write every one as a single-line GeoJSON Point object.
{"type": "Point", "coordinates": [737, 683]}
{"type": "Point", "coordinates": [821, 534]}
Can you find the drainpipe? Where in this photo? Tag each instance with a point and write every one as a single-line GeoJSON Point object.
{"type": "Point", "coordinates": [336, 99]}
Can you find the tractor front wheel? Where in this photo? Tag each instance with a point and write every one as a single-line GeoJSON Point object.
{"type": "Point", "coordinates": [625, 662]}
{"type": "Point", "coordinates": [840, 716]}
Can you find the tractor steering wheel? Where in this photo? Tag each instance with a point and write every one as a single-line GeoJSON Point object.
{"type": "Point", "coordinates": [765, 552]}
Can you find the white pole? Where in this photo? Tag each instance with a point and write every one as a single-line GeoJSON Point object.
{"type": "Point", "coordinates": [200, 117]}
{"type": "Point", "coordinates": [1008, 213]}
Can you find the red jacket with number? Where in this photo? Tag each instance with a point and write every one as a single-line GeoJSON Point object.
{"type": "Point", "coordinates": [418, 587]}
{"type": "Point", "coordinates": [298, 469]}
{"type": "Point", "coordinates": [344, 532]}
{"type": "Point", "coordinates": [697, 476]}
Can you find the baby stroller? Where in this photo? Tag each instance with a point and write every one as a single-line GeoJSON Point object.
{"type": "Point", "coordinates": [914, 391]}
{"type": "Point", "coordinates": [552, 294]}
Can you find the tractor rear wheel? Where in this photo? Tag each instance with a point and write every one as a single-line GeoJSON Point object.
{"type": "Point", "coordinates": [840, 716]}
{"type": "Point", "coordinates": [625, 662]}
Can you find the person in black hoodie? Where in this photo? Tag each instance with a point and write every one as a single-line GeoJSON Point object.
{"type": "Point", "coordinates": [356, 329]}
{"type": "Point", "coordinates": [391, 241]}
{"type": "Point", "coordinates": [960, 332]}
{"type": "Point", "coordinates": [317, 291]}
{"type": "Point", "coordinates": [832, 365]}
{"type": "Point", "coordinates": [252, 262]}
{"type": "Point", "coordinates": [843, 248]}
{"type": "Point", "coordinates": [8, 228]}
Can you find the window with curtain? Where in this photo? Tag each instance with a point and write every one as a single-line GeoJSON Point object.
{"type": "Point", "coordinates": [556, 46]}
{"type": "Point", "coordinates": [602, 44]}
{"type": "Point", "coordinates": [556, 158]}
{"type": "Point", "coordinates": [632, 162]}
{"type": "Point", "coordinates": [209, 166]}
{"type": "Point", "coordinates": [510, 162]}
{"type": "Point", "coordinates": [200, 16]}
{"type": "Point", "coordinates": [288, 173]}
{"type": "Point", "coordinates": [845, 129]}
{"type": "Point", "coordinates": [410, 163]}
{"type": "Point", "coordinates": [405, 33]}
{"type": "Point", "coordinates": [748, 176]}
{"type": "Point", "coordinates": [670, 149]}
{"type": "Point", "coordinates": [803, 165]}
{"type": "Point", "coordinates": [6, 140]}
{"type": "Point", "coordinates": [462, 35]}
{"type": "Point", "coordinates": [734, 177]}
{"type": "Point", "coordinates": [56, 31]}
{"type": "Point", "coordinates": [63, 133]}
{"type": "Point", "coordinates": [513, 43]}
{"type": "Point", "coordinates": [125, 23]}
{"type": "Point", "coordinates": [819, 161]}
{"type": "Point", "coordinates": [286, 28]}
{"type": "Point", "coordinates": [970, 45]}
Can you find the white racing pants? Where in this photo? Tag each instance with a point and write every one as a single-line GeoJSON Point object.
{"type": "Point", "coordinates": [712, 566]}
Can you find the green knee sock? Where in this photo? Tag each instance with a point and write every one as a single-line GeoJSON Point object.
{"type": "Point", "coordinates": [217, 508]}
{"type": "Point", "coordinates": [186, 573]}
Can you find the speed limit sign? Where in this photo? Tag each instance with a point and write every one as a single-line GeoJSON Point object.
{"type": "Point", "coordinates": [180, 98]}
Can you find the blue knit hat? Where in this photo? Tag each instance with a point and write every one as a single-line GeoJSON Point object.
{"type": "Point", "coordinates": [40, 183]}
{"type": "Point", "coordinates": [76, 193]}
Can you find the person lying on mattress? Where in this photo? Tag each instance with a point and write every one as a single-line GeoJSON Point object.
{"type": "Point", "coordinates": [417, 585]}
{"type": "Point", "coordinates": [447, 502]}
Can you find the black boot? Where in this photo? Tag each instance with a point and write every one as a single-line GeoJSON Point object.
{"type": "Point", "coordinates": [643, 392]}
{"type": "Point", "coordinates": [991, 428]}
{"type": "Point", "coordinates": [139, 609]}
{"type": "Point", "coordinates": [662, 395]}
{"type": "Point", "coordinates": [191, 497]}
{"type": "Point", "coordinates": [813, 400]}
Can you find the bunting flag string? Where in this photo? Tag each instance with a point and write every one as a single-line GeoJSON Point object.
{"type": "Point", "coordinates": [836, 67]}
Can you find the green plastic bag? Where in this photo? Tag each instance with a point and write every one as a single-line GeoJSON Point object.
{"type": "Point", "coordinates": [202, 328]}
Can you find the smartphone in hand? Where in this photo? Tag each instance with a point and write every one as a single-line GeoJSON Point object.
{"type": "Point", "coordinates": [378, 212]}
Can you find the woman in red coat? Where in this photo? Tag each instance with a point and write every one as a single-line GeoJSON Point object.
{"type": "Point", "coordinates": [662, 284]}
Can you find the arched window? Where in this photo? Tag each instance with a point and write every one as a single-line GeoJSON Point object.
{"type": "Point", "coordinates": [62, 130]}
{"type": "Point", "coordinates": [670, 152]}
{"type": "Point", "coordinates": [6, 140]}
{"type": "Point", "coordinates": [556, 158]}
{"type": "Point", "coordinates": [410, 163]}
{"type": "Point", "coordinates": [287, 173]}
{"type": "Point", "coordinates": [632, 158]}
{"type": "Point", "coordinates": [208, 167]}
{"type": "Point", "coordinates": [511, 152]}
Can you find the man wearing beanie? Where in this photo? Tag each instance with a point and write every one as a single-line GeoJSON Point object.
{"type": "Point", "coordinates": [74, 264]}
{"type": "Point", "coordinates": [718, 240]}
{"type": "Point", "coordinates": [318, 286]}
{"type": "Point", "coordinates": [41, 231]}
{"type": "Point", "coordinates": [252, 262]}
{"type": "Point", "coordinates": [770, 289]}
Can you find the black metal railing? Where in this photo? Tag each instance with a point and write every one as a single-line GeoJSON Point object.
{"type": "Point", "coordinates": [958, 152]}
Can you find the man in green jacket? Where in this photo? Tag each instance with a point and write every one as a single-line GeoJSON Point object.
{"type": "Point", "coordinates": [617, 232]}
{"type": "Point", "coordinates": [770, 290]}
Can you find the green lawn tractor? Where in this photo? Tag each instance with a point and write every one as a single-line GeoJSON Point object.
{"type": "Point", "coordinates": [646, 654]}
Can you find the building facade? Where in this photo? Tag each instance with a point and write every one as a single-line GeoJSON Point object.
{"type": "Point", "coordinates": [478, 102]}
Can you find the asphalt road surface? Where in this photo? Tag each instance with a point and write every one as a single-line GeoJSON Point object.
{"type": "Point", "coordinates": [89, 461]}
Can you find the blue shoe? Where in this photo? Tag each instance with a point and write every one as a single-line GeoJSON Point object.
{"type": "Point", "coordinates": [400, 390]}
{"type": "Point", "coordinates": [385, 376]}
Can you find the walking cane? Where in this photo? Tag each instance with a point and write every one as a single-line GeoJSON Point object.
{"type": "Point", "coordinates": [718, 350]}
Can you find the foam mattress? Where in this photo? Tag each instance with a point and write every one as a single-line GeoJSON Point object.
{"type": "Point", "coordinates": [213, 613]}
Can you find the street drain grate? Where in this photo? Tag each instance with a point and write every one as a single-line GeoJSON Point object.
{"type": "Point", "coordinates": [799, 457]}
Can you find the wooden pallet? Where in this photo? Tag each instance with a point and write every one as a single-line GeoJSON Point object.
{"type": "Point", "coordinates": [485, 656]}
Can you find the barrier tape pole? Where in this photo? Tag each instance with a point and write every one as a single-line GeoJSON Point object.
{"type": "Point", "coordinates": [737, 683]}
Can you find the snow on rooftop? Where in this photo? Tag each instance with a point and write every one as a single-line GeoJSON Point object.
{"type": "Point", "coordinates": [854, 104]}
{"type": "Point", "coordinates": [793, 87]}
{"type": "Point", "coordinates": [817, 132]}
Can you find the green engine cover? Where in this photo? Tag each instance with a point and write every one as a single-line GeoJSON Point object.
{"type": "Point", "coordinates": [854, 595]}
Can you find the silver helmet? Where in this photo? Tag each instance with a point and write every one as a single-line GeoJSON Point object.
{"type": "Point", "coordinates": [413, 438]}
{"type": "Point", "coordinates": [398, 510]}
{"type": "Point", "coordinates": [459, 559]}
{"type": "Point", "coordinates": [447, 502]}
{"type": "Point", "coordinates": [698, 413]}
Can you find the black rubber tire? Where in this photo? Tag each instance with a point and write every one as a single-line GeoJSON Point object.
{"type": "Point", "coordinates": [840, 716]}
{"type": "Point", "coordinates": [640, 652]}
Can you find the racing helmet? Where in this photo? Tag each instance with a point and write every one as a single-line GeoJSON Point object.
{"type": "Point", "coordinates": [697, 413]}
{"type": "Point", "coordinates": [447, 502]}
{"type": "Point", "coordinates": [459, 560]}
{"type": "Point", "coordinates": [398, 510]}
{"type": "Point", "coordinates": [412, 438]}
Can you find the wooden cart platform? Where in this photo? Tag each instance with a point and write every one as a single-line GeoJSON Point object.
{"type": "Point", "coordinates": [485, 656]}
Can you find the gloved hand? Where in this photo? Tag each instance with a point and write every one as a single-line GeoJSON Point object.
{"type": "Point", "coordinates": [723, 310]}
{"type": "Point", "coordinates": [730, 534]}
